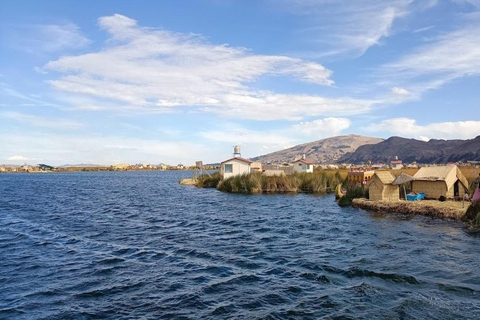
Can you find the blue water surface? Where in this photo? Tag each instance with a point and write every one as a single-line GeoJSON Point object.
{"type": "Point", "coordinates": [137, 245]}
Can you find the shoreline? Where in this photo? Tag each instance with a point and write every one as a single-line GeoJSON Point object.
{"type": "Point", "coordinates": [431, 208]}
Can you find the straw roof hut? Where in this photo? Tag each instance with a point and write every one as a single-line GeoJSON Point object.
{"type": "Point", "coordinates": [402, 179]}
{"type": "Point", "coordinates": [380, 187]}
{"type": "Point", "coordinates": [447, 181]}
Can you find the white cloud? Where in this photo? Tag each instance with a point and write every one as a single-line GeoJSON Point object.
{"type": "Point", "coordinates": [350, 26]}
{"type": "Point", "coordinates": [160, 70]}
{"type": "Point", "coordinates": [18, 158]}
{"type": "Point", "coordinates": [322, 127]}
{"type": "Point", "coordinates": [400, 91]}
{"type": "Point", "coordinates": [54, 123]}
{"type": "Point", "coordinates": [270, 106]}
{"type": "Point", "coordinates": [407, 127]}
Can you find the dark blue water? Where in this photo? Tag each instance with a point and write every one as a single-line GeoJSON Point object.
{"type": "Point", "coordinates": [136, 245]}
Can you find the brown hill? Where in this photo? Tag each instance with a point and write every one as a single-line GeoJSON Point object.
{"type": "Point", "coordinates": [322, 151]}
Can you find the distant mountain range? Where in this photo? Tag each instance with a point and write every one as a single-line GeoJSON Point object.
{"type": "Point", "coordinates": [360, 149]}
{"type": "Point", "coordinates": [409, 150]}
{"type": "Point", "coordinates": [328, 150]}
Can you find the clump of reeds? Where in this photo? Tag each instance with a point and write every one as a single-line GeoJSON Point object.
{"type": "Point", "coordinates": [317, 182]}
{"type": "Point", "coordinates": [208, 181]}
{"type": "Point", "coordinates": [353, 192]}
{"type": "Point", "coordinates": [245, 183]}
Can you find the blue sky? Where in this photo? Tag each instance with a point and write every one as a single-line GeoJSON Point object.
{"type": "Point", "coordinates": [178, 81]}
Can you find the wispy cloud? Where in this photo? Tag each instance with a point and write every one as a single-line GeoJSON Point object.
{"type": "Point", "coordinates": [50, 38]}
{"type": "Point", "coordinates": [450, 56]}
{"type": "Point", "coordinates": [36, 121]}
{"type": "Point", "coordinates": [162, 70]}
{"type": "Point", "coordinates": [423, 29]}
{"type": "Point", "coordinates": [8, 90]}
{"type": "Point", "coordinates": [475, 3]}
{"type": "Point", "coordinates": [58, 149]}
{"type": "Point", "coordinates": [407, 127]}
{"type": "Point", "coordinates": [349, 27]}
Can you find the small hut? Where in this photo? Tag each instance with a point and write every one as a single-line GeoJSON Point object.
{"type": "Point", "coordinates": [447, 181]}
{"type": "Point", "coordinates": [380, 187]}
{"type": "Point", "coordinates": [403, 179]}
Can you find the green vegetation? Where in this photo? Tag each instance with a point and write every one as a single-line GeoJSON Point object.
{"type": "Point", "coordinates": [353, 192]}
{"type": "Point", "coordinates": [245, 183]}
{"type": "Point", "coordinates": [208, 181]}
{"type": "Point", "coordinates": [318, 182]}
{"type": "Point", "coordinates": [473, 213]}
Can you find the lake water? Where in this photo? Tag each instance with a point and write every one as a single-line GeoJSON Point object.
{"type": "Point", "coordinates": [137, 245]}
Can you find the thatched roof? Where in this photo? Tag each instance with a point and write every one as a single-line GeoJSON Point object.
{"type": "Point", "coordinates": [385, 176]}
{"type": "Point", "coordinates": [403, 178]}
{"type": "Point", "coordinates": [449, 174]}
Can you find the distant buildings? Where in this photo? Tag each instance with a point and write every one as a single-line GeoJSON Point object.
{"type": "Point", "coordinates": [396, 164]}
{"type": "Point", "coordinates": [359, 176]}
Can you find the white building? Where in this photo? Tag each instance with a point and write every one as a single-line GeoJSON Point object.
{"type": "Point", "coordinates": [302, 165]}
{"type": "Point", "coordinates": [396, 164]}
{"type": "Point", "coordinates": [234, 166]}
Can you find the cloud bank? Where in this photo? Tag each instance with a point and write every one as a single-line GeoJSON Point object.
{"type": "Point", "coordinates": [406, 127]}
{"type": "Point", "coordinates": [157, 70]}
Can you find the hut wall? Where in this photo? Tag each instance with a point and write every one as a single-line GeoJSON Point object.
{"type": "Point", "coordinates": [390, 193]}
{"type": "Point", "coordinates": [432, 189]}
{"type": "Point", "coordinates": [375, 192]}
{"type": "Point", "coordinates": [451, 190]}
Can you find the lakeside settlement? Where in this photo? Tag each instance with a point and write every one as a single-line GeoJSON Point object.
{"type": "Point", "coordinates": [443, 191]}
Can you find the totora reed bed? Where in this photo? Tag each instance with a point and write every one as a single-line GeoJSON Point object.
{"type": "Point", "coordinates": [254, 183]}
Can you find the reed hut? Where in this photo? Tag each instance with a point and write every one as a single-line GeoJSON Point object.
{"type": "Point", "coordinates": [380, 187]}
{"type": "Point", "coordinates": [447, 181]}
{"type": "Point", "coordinates": [402, 180]}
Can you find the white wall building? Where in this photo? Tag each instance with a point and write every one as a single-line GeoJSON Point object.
{"type": "Point", "coordinates": [234, 166]}
{"type": "Point", "coordinates": [302, 165]}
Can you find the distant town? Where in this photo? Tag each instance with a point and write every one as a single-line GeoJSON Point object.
{"type": "Point", "coordinates": [269, 168]}
{"type": "Point", "coordinates": [28, 168]}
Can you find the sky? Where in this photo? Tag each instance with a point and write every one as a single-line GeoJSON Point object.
{"type": "Point", "coordinates": [107, 82]}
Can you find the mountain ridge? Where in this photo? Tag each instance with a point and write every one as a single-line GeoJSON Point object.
{"type": "Point", "coordinates": [358, 149]}
{"type": "Point", "coordinates": [327, 150]}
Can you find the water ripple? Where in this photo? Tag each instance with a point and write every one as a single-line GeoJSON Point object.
{"type": "Point", "coordinates": [136, 245]}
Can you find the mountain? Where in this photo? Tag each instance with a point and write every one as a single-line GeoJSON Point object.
{"type": "Point", "coordinates": [409, 150]}
{"type": "Point", "coordinates": [322, 151]}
